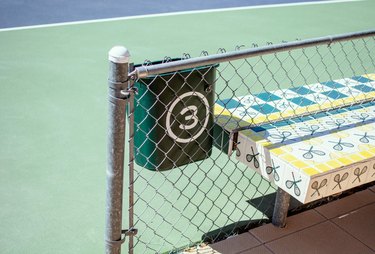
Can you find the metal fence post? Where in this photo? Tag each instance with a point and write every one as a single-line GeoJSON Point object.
{"type": "Point", "coordinates": [118, 82]}
{"type": "Point", "coordinates": [280, 211]}
{"type": "Point", "coordinates": [131, 231]}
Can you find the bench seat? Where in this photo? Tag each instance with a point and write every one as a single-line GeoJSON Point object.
{"type": "Point", "coordinates": [318, 153]}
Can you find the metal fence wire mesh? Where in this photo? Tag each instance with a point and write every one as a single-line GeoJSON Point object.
{"type": "Point", "coordinates": [188, 185]}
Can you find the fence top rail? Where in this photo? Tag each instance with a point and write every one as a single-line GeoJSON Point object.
{"type": "Point", "coordinates": [145, 71]}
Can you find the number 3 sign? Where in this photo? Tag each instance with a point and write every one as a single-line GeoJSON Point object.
{"type": "Point", "coordinates": [191, 112]}
{"type": "Point", "coordinates": [173, 118]}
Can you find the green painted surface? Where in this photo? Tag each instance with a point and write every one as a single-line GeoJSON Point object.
{"type": "Point", "coordinates": [53, 109]}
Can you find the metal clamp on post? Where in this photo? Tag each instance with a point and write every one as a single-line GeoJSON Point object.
{"type": "Point", "coordinates": [118, 95]}
{"type": "Point", "coordinates": [115, 244]}
{"type": "Point", "coordinates": [130, 232]}
{"type": "Point", "coordinates": [129, 92]}
{"type": "Point", "coordinates": [123, 90]}
{"type": "Point", "coordinates": [124, 234]}
{"type": "Point", "coordinates": [119, 66]}
{"type": "Point", "coordinates": [117, 85]}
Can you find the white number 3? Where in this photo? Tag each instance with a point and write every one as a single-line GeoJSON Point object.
{"type": "Point", "coordinates": [192, 116]}
{"type": "Point", "coordinates": [193, 109]}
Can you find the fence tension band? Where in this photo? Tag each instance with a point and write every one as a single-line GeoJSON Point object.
{"type": "Point", "coordinates": [129, 92]}
{"type": "Point", "coordinates": [125, 233]}
{"type": "Point", "coordinates": [117, 85]}
{"type": "Point", "coordinates": [130, 232]}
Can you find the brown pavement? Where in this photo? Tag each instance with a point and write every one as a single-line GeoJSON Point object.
{"type": "Point", "coordinates": [343, 226]}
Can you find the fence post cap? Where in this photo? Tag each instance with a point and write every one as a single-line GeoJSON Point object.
{"type": "Point", "coordinates": [119, 54]}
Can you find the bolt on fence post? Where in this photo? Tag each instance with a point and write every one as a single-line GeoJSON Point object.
{"type": "Point", "coordinates": [280, 211]}
{"type": "Point", "coordinates": [118, 58]}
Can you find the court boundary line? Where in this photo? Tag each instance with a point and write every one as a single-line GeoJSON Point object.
{"type": "Point", "coordinates": [175, 14]}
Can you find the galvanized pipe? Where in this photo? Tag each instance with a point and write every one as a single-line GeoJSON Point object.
{"type": "Point", "coordinates": [281, 208]}
{"type": "Point", "coordinates": [118, 81]}
{"type": "Point", "coordinates": [145, 71]}
{"type": "Point", "coordinates": [132, 230]}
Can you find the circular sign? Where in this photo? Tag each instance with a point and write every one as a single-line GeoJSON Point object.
{"type": "Point", "coordinates": [193, 116]}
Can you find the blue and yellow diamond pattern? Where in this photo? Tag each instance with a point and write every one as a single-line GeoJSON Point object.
{"type": "Point", "coordinates": [316, 155]}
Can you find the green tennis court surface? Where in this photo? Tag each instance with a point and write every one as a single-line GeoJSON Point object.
{"type": "Point", "coordinates": [53, 108]}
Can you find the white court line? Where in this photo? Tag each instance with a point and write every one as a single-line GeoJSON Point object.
{"type": "Point", "coordinates": [177, 13]}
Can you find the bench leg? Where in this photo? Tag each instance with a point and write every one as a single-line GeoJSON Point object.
{"type": "Point", "coordinates": [281, 208]}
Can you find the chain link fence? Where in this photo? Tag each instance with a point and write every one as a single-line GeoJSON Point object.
{"type": "Point", "coordinates": [188, 184]}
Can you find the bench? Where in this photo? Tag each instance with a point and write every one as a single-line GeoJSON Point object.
{"type": "Point", "coordinates": [311, 141]}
